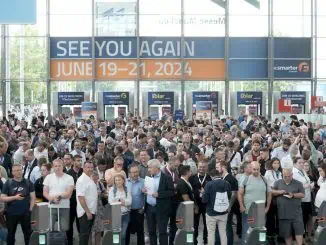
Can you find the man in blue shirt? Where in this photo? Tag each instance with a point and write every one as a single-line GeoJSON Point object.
{"type": "Point", "coordinates": [158, 203]}
{"type": "Point", "coordinates": [136, 224]}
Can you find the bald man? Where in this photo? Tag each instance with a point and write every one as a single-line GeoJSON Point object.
{"type": "Point", "coordinates": [253, 188]}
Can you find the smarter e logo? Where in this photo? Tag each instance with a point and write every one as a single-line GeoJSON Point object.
{"type": "Point", "coordinates": [303, 67]}
{"type": "Point", "coordinates": [123, 96]}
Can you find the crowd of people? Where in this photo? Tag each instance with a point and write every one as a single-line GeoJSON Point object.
{"type": "Point", "coordinates": [223, 166]}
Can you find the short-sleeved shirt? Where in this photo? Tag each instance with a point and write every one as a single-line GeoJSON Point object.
{"type": "Point", "coordinates": [289, 208]}
{"type": "Point", "coordinates": [86, 188]}
{"type": "Point", "coordinates": [232, 181]}
{"type": "Point", "coordinates": [12, 188]}
{"type": "Point", "coordinates": [255, 190]}
{"type": "Point", "coordinates": [57, 186]}
{"type": "Point", "coordinates": [184, 189]}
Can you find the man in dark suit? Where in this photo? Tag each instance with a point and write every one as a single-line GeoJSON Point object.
{"type": "Point", "coordinates": [5, 158]}
{"type": "Point", "coordinates": [158, 203]}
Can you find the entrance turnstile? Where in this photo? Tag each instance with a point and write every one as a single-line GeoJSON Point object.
{"type": "Point", "coordinates": [320, 234]}
{"type": "Point", "coordinates": [112, 224]}
{"type": "Point", "coordinates": [185, 223]}
{"type": "Point", "coordinates": [256, 234]}
{"type": "Point", "coordinates": [40, 224]}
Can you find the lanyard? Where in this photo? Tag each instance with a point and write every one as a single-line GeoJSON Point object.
{"type": "Point", "coordinates": [275, 178]}
{"type": "Point", "coordinates": [171, 173]}
{"type": "Point", "coordinates": [202, 182]}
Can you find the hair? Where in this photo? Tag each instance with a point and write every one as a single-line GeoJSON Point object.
{"type": "Point", "coordinates": [59, 161]}
{"type": "Point", "coordinates": [44, 144]}
{"type": "Point", "coordinates": [245, 164]}
{"type": "Point", "coordinates": [133, 165]}
{"type": "Point", "coordinates": [204, 161]}
{"type": "Point", "coordinates": [68, 154]}
{"type": "Point", "coordinates": [269, 164]}
{"type": "Point", "coordinates": [230, 144]}
{"type": "Point", "coordinates": [184, 169]}
{"type": "Point", "coordinates": [118, 159]}
{"type": "Point", "coordinates": [287, 142]}
{"type": "Point", "coordinates": [188, 152]}
{"type": "Point", "coordinates": [296, 159]}
{"type": "Point", "coordinates": [101, 161]}
{"type": "Point", "coordinates": [255, 142]}
{"type": "Point", "coordinates": [47, 166]}
{"type": "Point", "coordinates": [115, 189]}
{"type": "Point", "coordinates": [119, 149]}
{"type": "Point", "coordinates": [223, 164]}
{"type": "Point", "coordinates": [42, 161]}
{"type": "Point", "coordinates": [30, 152]}
{"type": "Point", "coordinates": [180, 157]}
{"type": "Point", "coordinates": [288, 169]}
{"type": "Point", "coordinates": [159, 154]}
{"type": "Point", "coordinates": [323, 167]}
{"type": "Point", "coordinates": [17, 165]}
{"type": "Point", "coordinates": [154, 163]}
{"type": "Point", "coordinates": [77, 156]}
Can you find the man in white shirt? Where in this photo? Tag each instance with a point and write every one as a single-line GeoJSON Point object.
{"type": "Point", "coordinates": [234, 156]}
{"type": "Point", "coordinates": [77, 151]}
{"type": "Point", "coordinates": [282, 151]}
{"type": "Point", "coordinates": [165, 141]}
{"type": "Point", "coordinates": [18, 156]}
{"type": "Point", "coordinates": [41, 151]}
{"type": "Point", "coordinates": [208, 149]}
{"type": "Point", "coordinates": [31, 169]}
{"type": "Point", "coordinates": [86, 193]}
{"type": "Point", "coordinates": [58, 188]}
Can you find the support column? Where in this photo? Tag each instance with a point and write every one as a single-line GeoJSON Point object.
{"type": "Point", "coordinates": [93, 52]}
{"type": "Point", "coordinates": [226, 56]}
{"type": "Point", "coordinates": [183, 59]}
{"type": "Point", "coordinates": [48, 70]}
{"type": "Point", "coordinates": [137, 82]}
{"type": "Point", "coordinates": [3, 69]}
{"type": "Point", "coordinates": [270, 59]}
{"type": "Point", "coordinates": [314, 40]}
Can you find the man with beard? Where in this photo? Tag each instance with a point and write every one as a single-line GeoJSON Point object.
{"type": "Point", "coordinates": [255, 151]}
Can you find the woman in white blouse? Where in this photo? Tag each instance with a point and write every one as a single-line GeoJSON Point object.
{"type": "Point", "coordinates": [120, 193]}
{"type": "Point", "coordinates": [300, 175]}
{"type": "Point", "coordinates": [272, 174]}
{"type": "Point", "coordinates": [321, 194]}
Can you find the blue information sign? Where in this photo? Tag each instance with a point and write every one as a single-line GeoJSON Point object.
{"type": "Point", "coordinates": [205, 96]}
{"type": "Point", "coordinates": [160, 98]}
{"type": "Point", "coordinates": [116, 98]}
{"type": "Point", "coordinates": [249, 98]}
{"type": "Point", "coordinates": [179, 115]}
{"type": "Point", "coordinates": [70, 98]}
{"type": "Point", "coordinates": [292, 69]}
{"type": "Point", "coordinates": [296, 97]}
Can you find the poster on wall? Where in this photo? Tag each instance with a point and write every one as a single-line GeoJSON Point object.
{"type": "Point", "coordinates": [204, 110]}
{"type": "Point", "coordinates": [89, 109]}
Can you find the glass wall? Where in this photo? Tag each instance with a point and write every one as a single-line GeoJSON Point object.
{"type": "Point", "coordinates": [26, 56]}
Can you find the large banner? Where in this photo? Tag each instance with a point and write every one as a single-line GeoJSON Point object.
{"type": "Point", "coordinates": [116, 58]}
{"type": "Point", "coordinates": [18, 12]}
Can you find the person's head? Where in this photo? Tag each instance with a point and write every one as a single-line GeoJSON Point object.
{"type": "Point", "coordinates": [221, 168]}
{"type": "Point", "coordinates": [45, 169]}
{"type": "Point", "coordinates": [95, 177]}
{"type": "Point", "coordinates": [159, 156]}
{"type": "Point", "coordinates": [275, 164]}
{"type": "Point", "coordinates": [209, 141]}
{"type": "Point", "coordinates": [322, 170]}
{"type": "Point", "coordinates": [118, 163]}
{"type": "Point", "coordinates": [78, 145]}
{"type": "Point", "coordinates": [306, 166]}
{"type": "Point", "coordinates": [29, 155]}
{"type": "Point", "coordinates": [186, 139]}
{"type": "Point", "coordinates": [143, 156]}
{"type": "Point", "coordinates": [58, 167]}
{"type": "Point", "coordinates": [255, 168]}
{"type": "Point", "coordinates": [88, 168]}
{"type": "Point", "coordinates": [172, 163]}
{"type": "Point", "coordinates": [220, 154]}
{"type": "Point", "coordinates": [100, 146]}
{"type": "Point", "coordinates": [3, 145]}
{"type": "Point", "coordinates": [103, 131]}
{"type": "Point", "coordinates": [298, 163]}
{"type": "Point", "coordinates": [255, 145]}
{"type": "Point", "coordinates": [101, 164]}
{"type": "Point", "coordinates": [185, 171]}
{"type": "Point", "coordinates": [118, 150]}
{"type": "Point", "coordinates": [124, 145]}
{"type": "Point", "coordinates": [17, 171]}
{"type": "Point", "coordinates": [203, 167]}
{"type": "Point", "coordinates": [71, 134]}
{"type": "Point", "coordinates": [134, 171]}
{"type": "Point", "coordinates": [171, 154]}
{"type": "Point", "coordinates": [287, 174]}
{"type": "Point", "coordinates": [187, 154]}
{"type": "Point", "coordinates": [119, 180]}
{"type": "Point", "coordinates": [286, 144]}
{"type": "Point", "coordinates": [78, 160]}
{"type": "Point", "coordinates": [180, 147]}
{"type": "Point", "coordinates": [154, 166]}
{"type": "Point", "coordinates": [67, 159]}
{"type": "Point", "coordinates": [264, 153]}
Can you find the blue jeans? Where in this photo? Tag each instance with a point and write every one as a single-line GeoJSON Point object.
{"type": "Point", "coordinates": [229, 231]}
{"type": "Point", "coordinates": [124, 225]}
{"type": "Point", "coordinates": [245, 227]}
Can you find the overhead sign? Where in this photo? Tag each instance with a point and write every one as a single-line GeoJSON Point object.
{"type": "Point", "coordinates": [204, 109]}
{"type": "Point", "coordinates": [18, 12]}
{"type": "Point", "coordinates": [205, 96]}
{"type": "Point", "coordinates": [160, 98]}
{"type": "Point", "coordinates": [249, 98]}
{"type": "Point", "coordinates": [294, 96]}
{"type": "Point", "coordinates": [179, 115]}
{"type": "Point", "coordinates": [89, 109]}
{"type": "Point", "coordinates": [116, 58]}
{"type": "Point", "coordinates": [70, 98]}
{"type": "Point", "coordinates": [116, 98]}
{"type": "Point", "coordinates": [292, 69]}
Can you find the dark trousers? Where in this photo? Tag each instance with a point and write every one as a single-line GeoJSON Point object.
{"type": "Point", "coordinates": [136, 225]}
{"type": "Point", "coordinates": [85, 226]}
{"type": "Point", "coordinates": [272, 220]}
{"type": "Point", "coordinates": [13, 221]}
{"type": "Point", "coordinates": [72, 218]}
{"type": "Point", "coordinates": [173, 224]}
{"type": "Point", "coordinates": [155, 218]}
{"type": "Point", "coordinates": [202, 211]}
{"type": "Point", "coordinates": [229, 231]}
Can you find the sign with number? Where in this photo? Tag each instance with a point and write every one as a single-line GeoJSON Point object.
{"type": "Point", "coordinates": [116, 58]}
